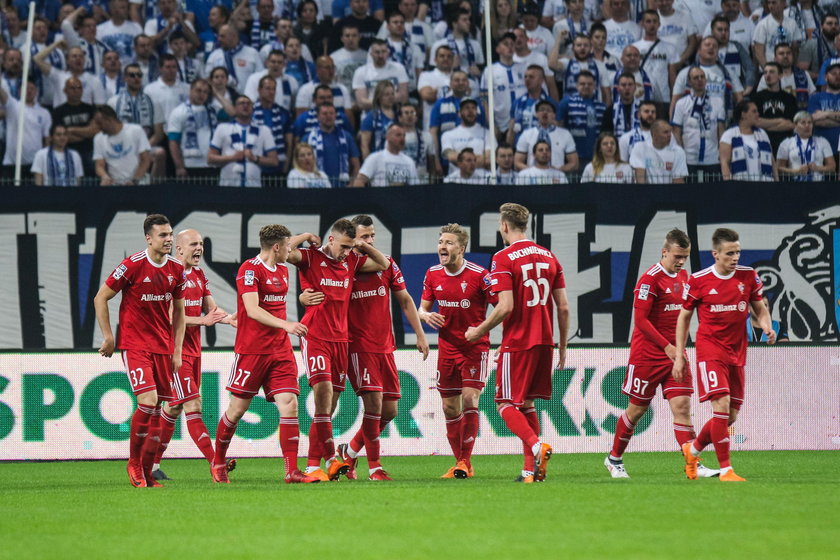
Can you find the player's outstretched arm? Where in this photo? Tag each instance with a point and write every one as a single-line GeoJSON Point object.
{"type": "Point", "coordinates": [500, 312]}
{"type": "Point", "coordinates": [683, 322]}
{"type": "Point", "coordinates": [431, 318]}
{"type": "Point", "coordinates": [410, 312]}
{"type": "Point", "coordinates": [103, 317]}
{"type": "Point", "coordinates": [764, 320]}
{"type": "Point", "coordinates": [178, 328]}
{"type": "Point", "coordinates": [377, 260]}
{"type": "Point", "coordinates": [561, 302]}
{"type": "Point", "coordinates": [251, 300]}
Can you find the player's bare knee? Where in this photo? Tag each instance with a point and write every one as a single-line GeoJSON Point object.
{"type": "Point", "coordinates": [721, 404]}
{"type": "Point", "coordinates": [452, 407]}
{"type": "Point", "coordinates": [173, 410]}
{"type": "Point", "coordinates": [635, 412]}
{"type": "Point", "coordinates": [389, 410]}
{"type": "Point", "coordinates": [372, 402]}
{"type": "Point", "coordinates": [680, 406]}
{"type": "Point", "coordinates": [193, 406]}
{"type": "Point", "coordinates": [471, 397]}
{"type": "Point", "coordinates": [149, 398]}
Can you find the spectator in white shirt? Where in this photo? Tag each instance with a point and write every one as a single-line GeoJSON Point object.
{"type": "Point", "coordinates": [36, 129]}
{"type": "Point", "coordinates": [466, 171]}
{"type": "Point", "coordinates": [189, 129]}
{"type": "Point", "coordinates": [540, 39]}
{"type": "Point", "coordinates": [118, 32]}
{"type": "Point", "coordinates": [469, 54]}
{"type": "Point", "coordinates": [560, 142]}
{"type": "Point", "coordinates": [677, 27]}
{"type": "Point", "coordinates": [775, 28]}
{"type": "Point", "coordinates": [621, 30]}
{"type": "Point", "coordinates": [57, 165]}
{"type": "Point", "coordinates": [606, 165]}
{"type": "Point", "coordinates": [287, 86]}
{"type": "Point", "coordinates": [120, 151]}
{"type": "Point", "coordinates": [698, 125]}
{"type": "Point", "coordinates": [168, 91]}
{"type": "Point", "coordinates": [305, 173]}
{"type": "Point", "coordinates": [541, 172]}
{"type": "Point", "coordinates": [379, 68]}
{"type": "Point", "coordinates": [658, 161]}
{"type": "Point", "coordinates": [240, 60]}
{"type": "Point", "coordinates": [388, 167]}
{"type": "Point", "coordinates": [803, 156]}
{"type": "Point", "coordinates": [92, 90]}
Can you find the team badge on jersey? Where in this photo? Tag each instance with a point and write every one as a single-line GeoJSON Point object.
{"type": "Point", "coordinates": [741, 287]}
{"type": "Point", "coordinates": [119, 271]}
{"type": "Point", "coordinates": [644, 290]}
{"type": "Point", "coordinates": [249, 278]}
{"type": "Point", "coordinates": [464, 286]}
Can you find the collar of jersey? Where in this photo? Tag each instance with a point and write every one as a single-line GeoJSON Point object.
{"type": "Point", "coordinates": [153, 263]}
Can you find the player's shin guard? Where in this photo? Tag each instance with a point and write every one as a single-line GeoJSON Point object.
{"type": "Point", "coordinates": [469, 431]}
{"type": "Point", "coordinates": [453, 434]}
{"type": "Point", "coordinates": [533, 421]}
{"type": "Point", "coordinates": [624, 429]}
{"type": "Point", "coordinates": [720, 438]}
{"type": "Point", "coordinates": [167, 428]}
{"type": "Point", "coordinates": [224, 434]}
{"type": "Point", "coordinates": [370, 429]}
{"type": "Point", "coordinates": [518, 424]}
{"type": "Point", "coordinates": [289, 438]}
{"type": "Point", "coordinates": [684, 433]}
{"type": "Point", "coordinates": [704, 438]}
{"type": "Point", "coordinates": [140, 421]}
{"type": "Point", "coordinates": [198, 433]}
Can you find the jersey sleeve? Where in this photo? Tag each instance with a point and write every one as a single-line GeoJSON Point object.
{"type": "Point", "coordinates": [358, 260]}
{"type": "Point", "coordinates": [428, 291]}
{"type": "Point", "coordinates": [180, 287]}
{"type": "Point", "coordinates": [246, 280]}
{"type": "Point", "coordinates": [691, 294]}
{"type": "Point", "coordinates": [757, 292]}
{"type": "Point", "coordinates": [501, 277]}
{"type": "Point", "coordinates": [397, 279]}
{"type": "Point", "coordinates": [121, 276]}
{"type": "Point", "coordinates": [305, 259]}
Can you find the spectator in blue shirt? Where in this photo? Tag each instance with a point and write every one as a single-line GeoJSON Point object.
{"type": "Point", "coordinates": [583, 116]}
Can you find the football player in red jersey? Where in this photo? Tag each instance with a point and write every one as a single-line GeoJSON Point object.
{"type": "Point", "coordinates": [264, 357]}
{"type": "Point", "coordinates": [151, 341]}
{"type": "Point", "coordinates": [200, 311]}
{"type": "Point", "coordinates": [529, 283]}
{"type": "Point", "coordinates": [373, 372]}
{"type": "Point", "coordinates": [656, 306]}
{"type": "Point", "coordinates": [462, 292]}
{"type": "Point", "coordinates": [722, 295]}
{"type": "Point", "coordinates": [331, 269]}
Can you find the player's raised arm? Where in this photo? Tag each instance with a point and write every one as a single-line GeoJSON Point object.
{"type": "Point", "coordinates": [103, 317]}
{"type": "Point", "coordinates": [376, 261]}
{"type": "Point", "coordinates": [296, 241]}
{"type": "Point", "coordinates": [410, 311]}
{"type": "Point", "coordinates": [500, 312]}
{"type": "Point", "coordinates": [683, 322]}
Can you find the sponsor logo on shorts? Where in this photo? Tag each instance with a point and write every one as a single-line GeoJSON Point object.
{"type": "Point", "coordinates": [119, 271]}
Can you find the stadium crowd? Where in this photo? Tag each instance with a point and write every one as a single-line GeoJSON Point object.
{"type": "Point", "coordinates": [350, 93]}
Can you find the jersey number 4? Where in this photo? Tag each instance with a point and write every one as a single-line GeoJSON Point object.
{"type": "Point", "coordinates": [539, 285]}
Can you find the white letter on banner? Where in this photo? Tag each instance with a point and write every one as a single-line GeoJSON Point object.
{"type": "Point", "coordinates": [52, 231]}
{"type": "Point", "coordinates": [225, 235]}
{"type": "Point", "coordinates": [11, 225]}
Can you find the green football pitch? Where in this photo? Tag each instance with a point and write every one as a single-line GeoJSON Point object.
{"type": "Point", "coordinates": [787, 509]}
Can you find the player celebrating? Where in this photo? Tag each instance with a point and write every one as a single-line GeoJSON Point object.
{"type": "Point", "coordinates": [151, 343]}
{"type": "Point", "coordinates": [722, 294]}
{"type": "Point", "coordinates": [656, 306]}
{"type": "Point", "coordinates": [331, 269]}
{"type": "Point", "coordinates": [462, 292]}
{"type": "Point", "coordinates": [186, 382]}
{"type": "Point", "coordinates": [373, 373]}
{"type": "Point", "coordinates": [524, 276]}
{"type": "Point", "coordinates": [264, 355]}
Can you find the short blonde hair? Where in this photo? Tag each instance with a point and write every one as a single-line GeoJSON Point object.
{"type": "Point", "coordinates": [460, 233]}
{"type": "Point", "coordinates": [515, 215]}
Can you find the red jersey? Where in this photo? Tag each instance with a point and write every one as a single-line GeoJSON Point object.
{"type": "Point", "coordinates": [271, 286]}
{"type": "Point", "coordinates": [462, 298]}
{"type": "Point", "coordinates": [147, 292]}
{"type": "Point", "coordinates": [657, 304]}
{"type": "Point", "coordinates": [322, 273]}
{"type": "Point", "coordinates": [195, 290]}
{"type": "Point", "coordinates": [369, 318]}
{"type": "Point", "coordinates": [723, 305]}
{"type": "Point", "coordinates": [532, 273]}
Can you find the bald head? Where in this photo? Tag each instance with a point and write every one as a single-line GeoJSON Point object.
{"type": "Point", "coordinates": [189, 247]}
{"type": "Point", "coordinates": [73, 90]}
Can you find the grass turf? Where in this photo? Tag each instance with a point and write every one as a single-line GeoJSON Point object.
{"type": "Point", "coordinates": [788, 508]}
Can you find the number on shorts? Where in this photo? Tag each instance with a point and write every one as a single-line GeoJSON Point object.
{"type": "Point", "coordinates": [366, 376]}
{"type": "Point", "coordinates": [242, 376]}
{"type": "Point", "coordinates": [713, 381]}
{"type": "Point", "coordinates": [188, 380]}
{"type": "Point", "coordinates": [317, 363]}
{"type": "Point", "coordinates": [136, 377]}
{"type": "Point", "coordinates": [539, 286]}
{"type": "Point", "coordinates": [640, 386]}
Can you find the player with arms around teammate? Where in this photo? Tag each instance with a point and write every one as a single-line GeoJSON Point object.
{"type": "Point", "coordinates": [530, 285]}
{"type": "Point", "coordinates": [330, 269]}
{"type": "Point", "coordinates": [151, 342]}
{"type": "Point", "coordinates": [264, 356]}
{"type": "Point", "coordinates": [373, 372]}
{"type": "Point", "coordinates": [722, 295]}
{"type": "Point", "coordinates": [656, 306]}
{"type": "Point", "coordinates": [186, 382]}
{"type": "Point", "coordinates": [462, 292]}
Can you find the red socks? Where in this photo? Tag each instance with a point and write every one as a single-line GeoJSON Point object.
{"type": "Point", "coordinates": [684, 433]}
{"type": "Point", "coordinates": [167, 428]}
{"type": "Point", "coordinates": [518, 424]}
{"type": "Point", "coordinates": [370, 433]}
{"type": "Point", "coordinates": [320, 440]}
{"type": "Point", "coordinates": [150, 446]}
{"type": "Point", "coordinates": [533, 421]}
{"type": "Point", "coordinates": [453, 434]}
{"type": "Point", "coordinates": [140, 421]}
{"type": "Point", "coordinates": [224, 434]}
{"type": "Point", "coordinates": [469, 431]}
{"type": "Point", "coordinates": [623, 432]}
{"type": "Point", "coordinates": [198, 433]}
{"type": "Point", "coordinates": [720, 438]}
{"type": "Point", "coordinates": [289, 437]}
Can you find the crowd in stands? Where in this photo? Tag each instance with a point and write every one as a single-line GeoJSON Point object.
{"type": "Point", "coordinates": [354, 93]}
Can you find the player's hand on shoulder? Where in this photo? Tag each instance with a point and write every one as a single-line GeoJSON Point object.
{"type": "Point", "coordinates": [310, 297]}
{"type": "Point", "coordinates": [107, 347]}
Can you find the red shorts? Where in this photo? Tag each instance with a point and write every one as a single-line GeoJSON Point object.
{"type": "Point", "coordinates": [468, 370]}
{"type": "Point", "coordinates": [187, 380]}
{"type": "Point", "coordinates": [375, 372]}
{"type": "Point", "coordinates": [525, 375]}
{"type": "Point", "coordinates": [325, 361]}
{"type": "Point", "coordinates": [149, 372]}
{"type": "Point", "coordinates": [641, 381]}
{"type": "Point", "coordinates": [715, 379]}
{"type": "Point", "coordinates": [275, 373]}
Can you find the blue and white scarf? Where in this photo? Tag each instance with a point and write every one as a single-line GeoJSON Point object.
{"type": "Point", "coordinates": [190, 146]}
{"type": "Point", "coordinates": [137, 109]}
{"type": "Point", "coordinates": [620, 122]}
{"type": "Point", "coordinates": [55, 177]}
{"type": "Point", "coordinates": [405, 57]}
{"type": "Point", "coordinates": [189, 72]}
{"type": "Point", "coordinates": [231, 68]}
{"type": "Point", "coordinates": [646, 84]}
{"type": "Point", "coordinates": [316, 140]}
{"type": "Point", "coordinates": [118, 88]}
{"type": "Point", "coordinates": [806, 156]}
{"type": "Point", "coordinates": [453, 44]}
{"type": "Point", "coordinates": [572, 71]}
{"type": "Point", "coordinates": [153, 73]}
{"type": "Point", "coordinates": [277, 120]}
{"type": "Point", "coordinates": [237, 142]}
{"type": "Point", "coordinates": [739, 166]}
{"type": "Point", "coordinates": [379, 125]}
{"type": "Point", "coordinates": [13, 85]}
{"type": "Point", "coordinates": [260, 36]}
{"type": "Point", "coordinates": [800, 82]}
